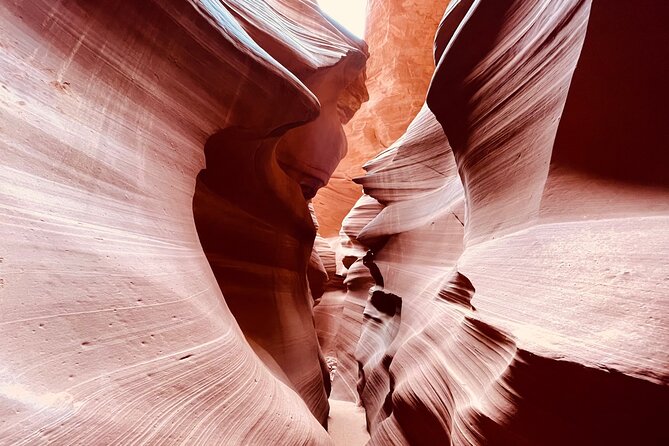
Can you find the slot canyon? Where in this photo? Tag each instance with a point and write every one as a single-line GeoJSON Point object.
{"type": "Point", "coordinates": [238, 222]}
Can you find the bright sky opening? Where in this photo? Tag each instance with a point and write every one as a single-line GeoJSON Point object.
{"type": "Point", "coordinates": [350, 13]}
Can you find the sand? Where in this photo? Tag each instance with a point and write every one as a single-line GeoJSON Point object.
{"type": "Point", "coordinates": [346, 424]}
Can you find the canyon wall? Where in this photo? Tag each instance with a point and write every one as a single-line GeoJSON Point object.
{"type": "Point", "coordinates": [400, 35]}
{"type": "Point", "coordinates": [502, 280]}
{"type": "Point", "coordinates": [114, 328]}
{"type": "Point", "coordinates": [516, 237]}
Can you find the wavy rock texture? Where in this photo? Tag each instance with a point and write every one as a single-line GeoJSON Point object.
{"type": "Point", "coordinates": [114, 329]}
{"type": "Point", "coordinates": [397, 83]}
{"type": "Point", "coordinates": [252, 220]}
{"type": "Point", "coordinates": [400, 35]}
{"type": "Point", "coordinates": [501, 281]}
{"type": "Point", "coordinates": [517, 246]}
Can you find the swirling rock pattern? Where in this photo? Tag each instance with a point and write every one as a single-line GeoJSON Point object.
{"type": "Point", "coordinates": [519, 260]}
{"type": "Point", "coordinates": [397, 83]}
{"type": "Point", "coordinates": [400, 35]}
{"type": "Point", "coordinates": [254, 225]}
{"type": "Point", "coordinates": [114, 329]}
{"type": "Point", "coordinates": [501, 281]}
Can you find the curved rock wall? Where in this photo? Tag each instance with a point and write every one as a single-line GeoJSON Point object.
{"type": "Point", "coordinates": [501, 281]}
{"type": "Point", "coordinates": [400, 35]}
{"type": "Point", "coordinates": [397, 83]}
{"type": "Point", "coordinates": [519, 286]}
{"type": "Point", "coordinates": [114, 329]}
{"type": "Point", "coordinates": [254, 225]}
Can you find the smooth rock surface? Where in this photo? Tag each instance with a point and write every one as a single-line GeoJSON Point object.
{"type": "Point", "coordinates": [520, 273]}
{"type": "Point", "coordinates": [113, 327]}
{"type": "Point", "coordinates": [347, 424]}
{"type": "Point", "coordinates": [501, 281]}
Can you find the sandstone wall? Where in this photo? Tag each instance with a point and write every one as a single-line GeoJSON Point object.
{"type": "Point", "coordinates": [516, 238]}
{"type": "Point", "coordinates": [113, 328]}
{"type": "Point", "coordinates": [400, 35]}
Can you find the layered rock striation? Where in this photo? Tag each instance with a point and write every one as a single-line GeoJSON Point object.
{"type": "Point", "coordinates": [400, 35]}
{"type": "Point", "coordinates": [253, 222]}
{"type": "Point", "coordinates": [114, 329]}
{"type": "Point", "coordinates": [501, 281]}
{"type": "Point", "coordinates": [516, 243]}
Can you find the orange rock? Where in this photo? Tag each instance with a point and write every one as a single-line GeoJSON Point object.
{"type": "Point", "coordinates": [400, 35]}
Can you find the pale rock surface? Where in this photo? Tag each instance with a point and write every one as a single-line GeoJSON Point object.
{"type": "Point", "coordinates": [113, 329]}
{"type": "Point", "coordinates": [528, 304]}
{"type": "Point", "coordinates": [502, 281]}
{"type": "Point", "coordinates": [347, 424]}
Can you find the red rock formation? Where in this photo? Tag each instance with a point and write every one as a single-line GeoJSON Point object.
{"type": "Point", "coordinates": [397, 81]}
{"type": "Point", "coordinates": [400, 35]}
{"type": "Point", "coordinates": [254, 225]}
{"type": "Point", "coordinates": [531, 316]}
{"type": "Point", "coordinates": [502, 280]}
{"type": "Point", "coordinates": [114, 330]}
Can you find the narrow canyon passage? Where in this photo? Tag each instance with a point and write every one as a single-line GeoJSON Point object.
{"type": "Point", "coordinates": [253, 222]}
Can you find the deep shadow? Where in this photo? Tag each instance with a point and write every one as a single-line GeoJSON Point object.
{"type": "Point", "coordinates": [563, 403]}
{"type": "Point", "coordinates": [257, 234]}
{"type": "Point", "coordinates": [615, 123]}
